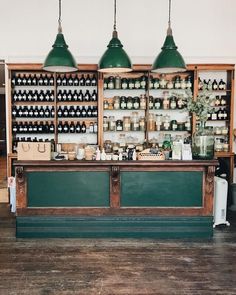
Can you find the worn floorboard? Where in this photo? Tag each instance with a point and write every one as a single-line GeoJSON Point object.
{"type": "Point", "coordinates": [122, 266]}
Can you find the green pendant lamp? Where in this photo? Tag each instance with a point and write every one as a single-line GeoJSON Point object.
{"type": "Point", "coordinates": [59, 58]}
{"type": "Point", "coordinates": [169, 59]}
{"type": "Point", "coordinates": [115, 59]}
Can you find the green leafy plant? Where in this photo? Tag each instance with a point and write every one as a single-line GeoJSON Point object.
{"type": "Point", "coordinates": [202, 105]}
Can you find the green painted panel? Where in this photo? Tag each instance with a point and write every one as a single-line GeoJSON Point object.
{"type": "Point", "coordinates": [114, 227]}
{"type": "Point", "coordinates": [162, 189]}
{"type": "Point", "coordinates": [67, 189]}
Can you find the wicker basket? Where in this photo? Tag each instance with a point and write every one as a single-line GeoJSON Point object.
{"type": "Point", "coordinates": [147, 156]}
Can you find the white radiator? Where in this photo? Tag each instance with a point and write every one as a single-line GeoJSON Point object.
{"type": "Point", "coordinates": [220, 201]}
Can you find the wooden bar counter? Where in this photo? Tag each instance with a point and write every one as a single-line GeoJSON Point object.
{"type": "Point", "coordinates": [151, 199]}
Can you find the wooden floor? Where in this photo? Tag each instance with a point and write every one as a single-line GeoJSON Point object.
{"type": "Point", "coordinates": [91, 266]}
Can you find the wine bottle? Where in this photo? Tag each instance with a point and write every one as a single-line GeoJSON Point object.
{"type": "Point", "coordinates": [222, 85]}
{"type": "Point", "coordinates": [75, 95]}
{"type": "Point", "coordinates": [24, 96]}
{"type": "Point", "coordinates": [14, 111]}
{"type": "Point", "coordinates": [51, 128]}
{"type": "Point", "coordinates": [64, 80]}
{"type": "Point", "coordinates": [51, 80]}
{"type": "Point", "coordinates": [64, 95]}
{"type": "Point", "coordinates": [19, 80]}
{"type": "Point", "coordinates": [30, 127]}
{"type": "Point", "coordinates": [30, 95]}
{"type": "Point", "coordinates": [214, 85]}
{"type": "Point", "coordinates": [41, 112]}
{"type": "Point", "coordinates": [76, 81]}
{"type": "Point", "coordinates": [78, 112]}
{"type": "Point", "coordinates": [89, 112]}
{"type": "Point", "coordinates": [35, 127]}
{"type": "Point", "coordinates": [13, 81]}
{"type": "Point", "coordinates": [70, 80]}
{"type": "Point", "coordinates": [59, 95]}
{"type": "Point", "coordinates": [41, 96]}
{"type": "Point", "coordinates": [71, 112]}
{"type": "Point", "coordinates": [20, 112]}
{"type": "Point", "coordinates": [45, 80]}
{"type": "Point", "coordinates": [24, 80]}
{"type": "Point", "coordinates": [47, 112]}
{"type": "Point", "coordinates": [34, 80]}
{"type": "Point", "coordinates": [51, 95]}
{"type": "Point", "coordinates": [35, 95]}
{"type": "Point", "coordinates": [36, 112]}
{"type": "Point", "coordinates": [29, 80]}
{"type": "Point", "coordinates": [69, 95]}
{"type": "Point", "coordinates": [59, 80]}
{"type": "Point", "coordinates": [31, 112]}
{"type": "Point", "coordinates": [52, 112]}
{"type": "Point", "coordinates": [40, 80]}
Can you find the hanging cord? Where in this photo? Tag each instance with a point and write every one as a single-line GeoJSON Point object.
{"type": "Point", "coordinates": [59, 19]}
{"type": "Point", "coordinates": [169, 30]}
{"type": "Point", "coordinates": [114, 27]}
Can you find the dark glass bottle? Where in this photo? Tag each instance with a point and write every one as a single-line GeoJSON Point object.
{"type": "Point", "coordinates": [94, 112]}
{"type": "Point", "coordinates": [124, 83]}
{"type": "Point", "coordinates": [59, 80]}
{"type": "Point", "coordinates": [29, 80]}
{"type": "Point", "coordinates": [222, 85]}
{"type": "Point", "coordinates": [59, 95]}
{"type": "Point", "coordinates": [47, 95]}
{"type": "Point", "coordinates": [14, 111]}
{"type": "Point", "coordinates": [87, 95]}
{"type": "Point", "coordinates": [66, 127]}
{"type": "Point", "coordinates": [51, 128]}
{"type": "Point", "coordinates": [35, 95]}
{"type": "Point", "coordinates": [87, 81]}
{"type": "Point", "coordinates": [65, 112]}
{"type": "Point", "coordinates": [111, 82]}
{"type": "Point", "coordinates": [30, 95]}
{"type": "Point", "coordinates": [75, 95]}
{"type": "Point", "coordinates": [214, 85]}
{"type": "Point", "coordinates": [24, 80]}
{"type": "Point", "coordinates": [78, 127]}
{"type": "Point", "coordinates": [41, 112]}
{"type": "Point", "coordinates": [64, 80]}
{"type": "Point", "coordinates": [41, 96]}
{"type": "Point", "coordinates": [89, 112]}
{"type": "Point", "coordinates": [71, 112]}
{"type": "Point", "coordinates": [31, 112]}
{"type": "Point", "coordinates": [59, 112]}
{"type": "Point", "coordinates": [69, 95]}
{"type": "Point", "coordinates": [64, 95]}
{"type": "Point", "coordinates": [83, 127]}
{"type": "Point", "coordinates": [59, 127]}
{"type": "Point", "coordinates": [94, 96]}
{"type": "Point", "coordinates": [34, 81]}
{"type": "Point", "coordinates": [40, 80]}
{"type": "Point", "coordinates": [51, 80]}
{"type": "Point", "coordinates": [83, 112]}
{"type": "Point", "coordinates": [72, 127]}
{"type": "Point", "coordinates": [20, 112]}
{"type": "Point", "coordinates": [76, 81]}
{"type": "Point", "coordinates": [82, 80]}
{"type": "Point", "coordinates": [80, 96]}
{"type": "Point", "coordinates": [70, 80]}
{"type": "Point", "coordinates": [151, 103]}
{"type": "Point", "coordinates": [47, 112]}
{"type": "Point", "coordinates": [52, 112]}
{"type": "Point", "coordinates": [36, 112]}
{"type": "Point", "coordinates": [78, 112]}
{"type": "Point", "coordinates": [45, 80]}
{"type": "Point", "coordinates": [94, 80]}
{"type": "Point", "coordinates": [30, 127]}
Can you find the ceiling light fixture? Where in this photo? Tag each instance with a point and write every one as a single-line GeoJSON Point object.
{"type": "Point", "coordinates": [115, 59]}
{"type": "Point", "coordinates": [169, 59]}
{"type": "Point", "coordinates": [60, 58]}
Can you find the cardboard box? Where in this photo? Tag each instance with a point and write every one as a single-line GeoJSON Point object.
{"type": "Point", "coordinates": [39, 151]}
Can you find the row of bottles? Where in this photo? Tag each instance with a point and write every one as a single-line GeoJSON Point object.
{"type": "Point", "coordinates": [154, 83]}
{"type": "Point", "coordinates": [33, 127]}
{"type": "Point", "coordinates": [139, 103]}
{"type": "Point", "coordinates": [68, 95]}
{"type": "Point", "coordinates": [71, 127]}
{"type": "Point", "coordinates": [32, 80]}
{"type": "Point", "coordinates": [220, 114]}
{"type": "Point", "coordinates": [33, 112]}
{"type": "Point", "coordinates": [33, 95]}
{"type": "Point", "coordinates": [211, 85]}
{"type": "Point", "coordinates": [48, 80]}
{"type": "Point", "coordinates": [77, 112]}
{"type": "Point", "coordinates": [77, 80]}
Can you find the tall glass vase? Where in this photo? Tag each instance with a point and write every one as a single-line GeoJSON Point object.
{"type": "Point", "coordinates": [203, 143]}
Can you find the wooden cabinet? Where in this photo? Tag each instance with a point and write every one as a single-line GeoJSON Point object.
{"type": "Point", "coordinates": [159, 94]}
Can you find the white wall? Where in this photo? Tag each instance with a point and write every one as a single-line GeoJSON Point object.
{"type": "Point", "coordinates": [202, 29]}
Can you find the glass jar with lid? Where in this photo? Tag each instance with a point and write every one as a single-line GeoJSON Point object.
{"type": "Point", "coordinates": [105, 124]}
{"type": "Point", "coordinates": [166, 101]}
{"type": "Point", "coordinates": [105, 104]}
{"type": "Point", "coordinates": [116, 102]}
{"type": "Point", "coordinates": [126, 124]}
{"type": "Point", "coordinates": [151, 102]}
{"type": "Point", "coordinates": [183, 83]}
{"type": "Point", "coordinates": [124, 83]}
{"type": "Point", "coordinates": [119, 125]}
{"type": "Point", "coordinates": [111, 83]}
{"type": "Point", "coordinates": [143, 82]}
{"type": "Point", "coordinates": [166, 122]}
{"type": "Point", "coordinates": [217, 130]}
{"type": "Point", "coordinates": [107, 146]}
{"type": "Point", "coordinates": [123, 104]}
{"type": "Point", "coordinates": [187, 124]}
{"type": "Point", "coordinates": [131, 83]}
{"type": "Point", "coordinates": [225, 145]}
{"type": "Point", "coordinates": [218, 145]}
{"type": "Point", "coordinates": [137, 83]}
{"type": "Point", "coordinates": [177, 82]}
{"type": "Point", "coordinates": [163, 81]}
{"type": "Point", "coordinates": [112, 123]}
{"type": "Point", "coordinates": [224, 130]}
{"type": "Point", "coordinates": [157, 103]}
{"type": "Point", "coordinates": [117, 82]}
{"type": "Point", "coordinates": [142, 124]}
{"type": "Point", "coordinates": [173, 125]}
{"type": "Point", "coordinates": [142, 102]}
{"type": "Point", "coordinates": [173, 103]}
{"type": "Point", "coordinates": [156, 83]}
{"type": "Point", "coordinates": [158, 122]}
{"type": "Point", "coordinates": [129, 103]}
{"type": "Point", "coordinates": [151, 122]}
{"type": "Point", "coordinates": [136, 103]}
{"type": "Point", "coordinates": [170, 84]}
{"type": "Point", "coordinates": [122, 141]}
{"type": "Point", "coordinates": [180, 102]}
{"type": "Point", "coordinates": [134, 121]}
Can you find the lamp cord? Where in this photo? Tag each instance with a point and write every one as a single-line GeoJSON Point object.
{"type": "Point", "coordinates": [169, 12]}
{"type": "Point", "coordinates": [59, 19]}
{"type": "Point", "coordinates": [114, 27]}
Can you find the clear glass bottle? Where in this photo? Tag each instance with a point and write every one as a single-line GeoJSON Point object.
{"type": "Point", "coordinates": [166, 122]}
{"type": "Point", "coordinates": [166, 101]}
{"type": "Point", "coordinates": [105, 105]}
{"type": "Point", "coordinates": [142, 102]}
{"type": "Point", "coordinates": [151, 122]}
{"type": "Point", "coordinates": [112, 123]}
{"type": "Point", "coordinates": [158, 122]}
{"type": "Point", "coordinates": [129, 103]}
{"type": "Point", "coordinates": [116, 103]}
{"type": "Point", "coordinates": [126, 124]}
{"type": "Point", "coordinates": [134, 121]}
{"type": "Point", "coordinates": [105, 124]}
{"type": "Point", "coordinates": [142, 124]}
